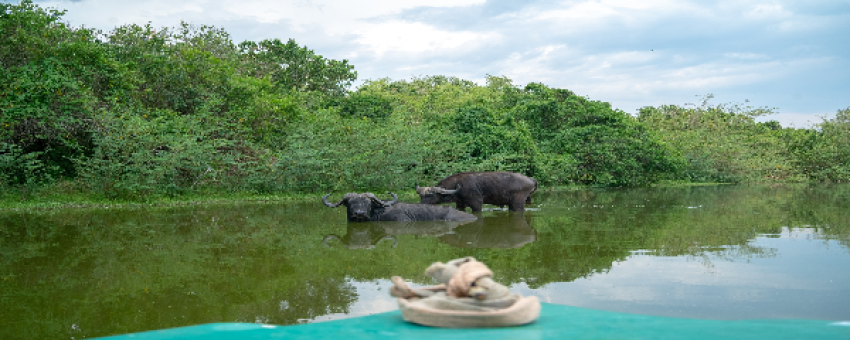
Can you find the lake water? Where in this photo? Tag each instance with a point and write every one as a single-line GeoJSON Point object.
{"type": "Point", "coordinates": [723, 252]}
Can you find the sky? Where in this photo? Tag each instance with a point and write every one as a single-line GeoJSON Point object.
{"type": "Point", "coordinates": [799, 275]}
{"type": "Point", "coordinates": [790, 55]}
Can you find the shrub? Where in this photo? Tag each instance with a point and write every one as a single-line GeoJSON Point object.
{"type": "Point", "coordinates": [51, 80]}
{"type": "Point", "coordinates": [722, 143]}
{"type": "Point", "coordinates": [602, 146]}
{"type": "Point", "coordinates": [824, 153]}
{"type": "Point", "coordinates": [363, 104]}
{"type": "Point", "coordinates": [326, 152]}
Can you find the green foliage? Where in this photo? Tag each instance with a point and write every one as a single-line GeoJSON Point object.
{"type": "Point", "coordinates": [179, 69]}
{"type": "Point", "coordinates": [365, 104]}
{"type": "Point", "coordinates": [25, 169]}
{"type": "Point", "coordinates": [425, 99]}
{"type": "Point", "coordinates": [139, 112]}
{"type": "Point", "coordinates": [150, 154]}
{"type": "Point", "coordinates": [51, 79]}
{"type": "Point", "coordinates": [723, 143]}
{"type": "Point", "coordinates": [605, 147]}
{"type": "Point", "coordinates": [550, 134]}
{"type": "Point", "coordinates": [112, 110]}
{"type": "Point", "coordinates": [258, 113]}
{"type": "Point", "coordinates": [326, 152]}
{"type": "Point", "coordinates": [824, 153]}
{"type": "Point", "coordinates": [294, 67]}
{"type": "Point", "coordinates": [28, 32]}
{"type": "Point", "coordinates": [495, 141]}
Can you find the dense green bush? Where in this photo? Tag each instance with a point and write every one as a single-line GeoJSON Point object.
{"type": "Point", "coordinates": [326, 152]}
{"type": "Point", "coordinates": [52, 78]}
{"type": "Point", "coordinates": [496, 141]}
{"type": "Point", "coordinates": [824, 153]}
{"type": "Point", "coordinates": [177, 70]}
{"type": "Point", "coordinates": [116, 110]}
{"type": "Point", "coordinates": [152, 153]}
{"type": "Point", "coordinates": [293, 67]}
{"type": "Point", "coordinates": [551, 134]}
{"type": "Point", "coordinates": [608, 147]}
{"type": "Point", "coordinates": [140, 112]}
{"type": "Point", "coordinates": [723, 143]}
{"type": "Point", "coordinates": [363, 104]}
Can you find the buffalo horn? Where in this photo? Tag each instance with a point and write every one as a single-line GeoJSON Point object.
{"type": "Point", "coordinates": [384, 203]}
{"type": "Point", "coordinates": [443, 191]}
{"type": "Point", "coordinates": [325, 201]}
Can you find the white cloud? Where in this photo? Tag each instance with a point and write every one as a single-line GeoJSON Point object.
{"type": "Point", "coordinates": [742, 286]}
{"type": "Point", "coordinates": [339, 15]}
{"type": "Point", "coordinates": [712, 287]}
{"type": "Point", "coordinates": [769, 11]}
{"type": "Point", "coordinates": [372, 297]}
{"type": "Point", "coordinates": [746, 56]}
{"type": "Point", "coordinates": [584, 14]}
{"type": "Point", "coordinates": [416, 37]}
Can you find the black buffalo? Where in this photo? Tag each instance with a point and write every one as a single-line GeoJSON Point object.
{"type": "Point", "coordinates": [473, 189]}
{"type": "Point", "coordinates": [367, 207]}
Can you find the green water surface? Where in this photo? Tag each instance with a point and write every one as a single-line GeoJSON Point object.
{"type": "Point", "coordinates": [724, 252]}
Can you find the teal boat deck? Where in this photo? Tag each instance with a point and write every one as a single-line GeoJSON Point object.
{"type": "Point", "coordinates": [555, 322]}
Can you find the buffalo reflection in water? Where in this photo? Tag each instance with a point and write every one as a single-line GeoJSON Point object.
{"type": "Point", "coordinates": [368, 235]}
{"type": "Point", "coordinates": [504, 230]}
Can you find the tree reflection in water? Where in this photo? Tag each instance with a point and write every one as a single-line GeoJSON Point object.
{"type": "Point", "coordinates": [94, 272]}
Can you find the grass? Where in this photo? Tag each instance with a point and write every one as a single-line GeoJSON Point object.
{"type": "Point", "coordinates": [63, 196]}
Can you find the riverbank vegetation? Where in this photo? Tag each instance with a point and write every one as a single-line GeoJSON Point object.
{"type": "Point", "coordinates": [142, 113]}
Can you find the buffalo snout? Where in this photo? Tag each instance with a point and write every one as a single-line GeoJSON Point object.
{"type": "Point", "coordinates": [359, 215]}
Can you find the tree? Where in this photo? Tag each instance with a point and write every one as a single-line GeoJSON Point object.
{"type": "Point", "coordinates": [606, 146]}
{"type": "Point", "coordinates": [52, 77]}
{"type": "Point", "coordinates": [824, 153]}
{"type": "Point", "coordinates": [297, 68]}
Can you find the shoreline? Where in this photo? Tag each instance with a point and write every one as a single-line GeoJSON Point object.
{"type": "Point", "coordinates": [83, 201]}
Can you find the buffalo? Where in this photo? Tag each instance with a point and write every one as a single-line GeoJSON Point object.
{"type": "Point", "coordinates": [367, 207]}
{"type": "Point", "coordinates": [474, 189]}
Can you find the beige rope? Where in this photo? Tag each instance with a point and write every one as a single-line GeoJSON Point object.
{"type": "Point", "coordinates": [470, 299]}
{"type": "Point", "coordinates": [402, 290]}
{"type": "Point", "coordinates": [465, 277]}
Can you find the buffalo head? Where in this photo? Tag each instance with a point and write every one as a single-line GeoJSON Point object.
{"type": "Point", "coordinates": [361, 206]}
{"type": "Point", "coordinates": [436, 195]}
